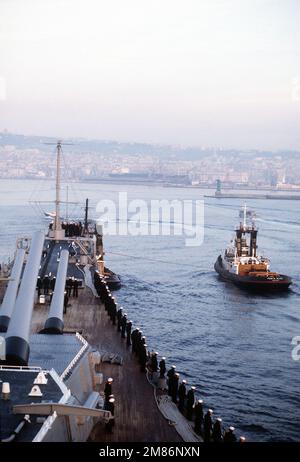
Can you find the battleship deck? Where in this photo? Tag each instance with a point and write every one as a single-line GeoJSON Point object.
{"type": "Point", "coordinates": [137, 415]}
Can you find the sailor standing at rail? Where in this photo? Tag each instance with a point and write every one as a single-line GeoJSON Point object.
{"type": "Point", "coordinates": [143, 357]}
{"type": "Point", "coordinates": [66, 301]}
{"type": "Point", "coordinates": [119, 317]}
{"type": "Point", "coordinates": [162, 367]}
{"type": "Point", "coordinates": [114, 313]}
{"type": "Point", "coordinates": [133, 339]}
{"type": "Point", "coordinates": [69, 284]}
{"type": "Point", "coordinates": [207, 425]}
{"type": "Point", "coordinates": [190, 401]}
{"type": "Point", "coordinates": [46, 284]}
{"type": "Point", "coordinates": [175, 387]}
{"type": "Point", "coordinates": [52, 283]}
{"type": "Point", "coordinates": [170, 375]}
{"type": "Point", "coordinates": [217, 434]}
{"type": "Point", "coordinates": [182, 396]}
{"type": "Point", "coordinates": [39, 285]}
{"type": "Point", "coordinates": [107, 302]}
{"type": "Point", "coordinates": [142, 349]}
{"type": "Point", "coordinates": [111, 304]}
{"type": "Point", "coordinates": [106, 292]}
{"type": "Point", "coordinates": [75, 288]}
{"type": "Point", "coordinates": [103, 292]}
{"type": "Point", "coordinates": [123, 325]}
{"type": "Point", "coordinates": [229, 436]}
{"type": "Point", "coordinates": [97, 280]}
{"type": "Point", "coordinates": [128, 332]}
{"type": "Point", "coordinates": [98, 283]}
{"type": "Point", "coordinates": [139, 336]}
{"type": "Point", "coordinates": [154, 362]}
{"type": "Point", "coordinates": [138, 342]}
{"type": "Point", "coordinates": [198, 410]}
{"type": "Point", "coordinates": [101, 288]}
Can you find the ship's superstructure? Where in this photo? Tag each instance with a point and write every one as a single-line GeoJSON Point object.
{"type": "Point", "coordinates": [241, 256]}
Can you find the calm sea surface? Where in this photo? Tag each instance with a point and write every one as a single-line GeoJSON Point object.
{"type": "Point", "coordinates": [235, 347]}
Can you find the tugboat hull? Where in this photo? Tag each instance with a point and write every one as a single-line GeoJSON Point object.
{"type": "Point", "coordinates": [113, 280]}
{"type": "Point", "coordinates": [257, 283]}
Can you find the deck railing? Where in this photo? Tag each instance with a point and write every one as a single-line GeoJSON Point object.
{"type": "Point", "coordinates": [76, 358]}
{"type": "Point", "coordinates": [21, 368]}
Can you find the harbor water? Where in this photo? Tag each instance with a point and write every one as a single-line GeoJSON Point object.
{"type": "Point", "coordinates": [234, 346]}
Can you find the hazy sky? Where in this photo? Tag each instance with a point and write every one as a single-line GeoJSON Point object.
{"type": "Point", "coordinates": [190, 72]}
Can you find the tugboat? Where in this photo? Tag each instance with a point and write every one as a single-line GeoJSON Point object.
{"type": "Point", "coordinates": [244, 267]}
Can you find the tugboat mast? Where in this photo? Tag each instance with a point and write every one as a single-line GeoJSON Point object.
{"type": "Point", "coordinates": [245, 216]}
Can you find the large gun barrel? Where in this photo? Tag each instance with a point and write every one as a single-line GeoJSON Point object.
{"type": "Point", "coordinates": [9, 299]}
{"type": "Point", "coordinates": [17, 337]}
{"type": "Point", "coordinates": [54, 323]}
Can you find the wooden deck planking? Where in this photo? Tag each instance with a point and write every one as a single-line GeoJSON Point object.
{"type": "Point", "coordinates": [136, 413]}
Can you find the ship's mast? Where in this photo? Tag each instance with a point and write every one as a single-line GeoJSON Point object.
{"type": "Point", "coordinates": [57, 223]}
{"type": "Point", "coordinates": [86, 216]}
{"type": "Point", "coordinates": [58, 233]}
{"type": "Point", "coordinates": [67, 204]}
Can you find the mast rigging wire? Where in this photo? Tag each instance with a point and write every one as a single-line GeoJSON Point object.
{"type": "Point", "coordinates": [156, 260]}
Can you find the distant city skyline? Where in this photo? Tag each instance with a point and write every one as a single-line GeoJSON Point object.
{"type": "Point", "coordinates": [135, 163]}
{"type": "Point", "coordinates": [222, 73]}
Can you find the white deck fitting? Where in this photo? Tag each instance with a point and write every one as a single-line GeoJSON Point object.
{"type": "Point", "coordinates": [170, 411]}
{"type": "Point", "coordinates": [88, 280]}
